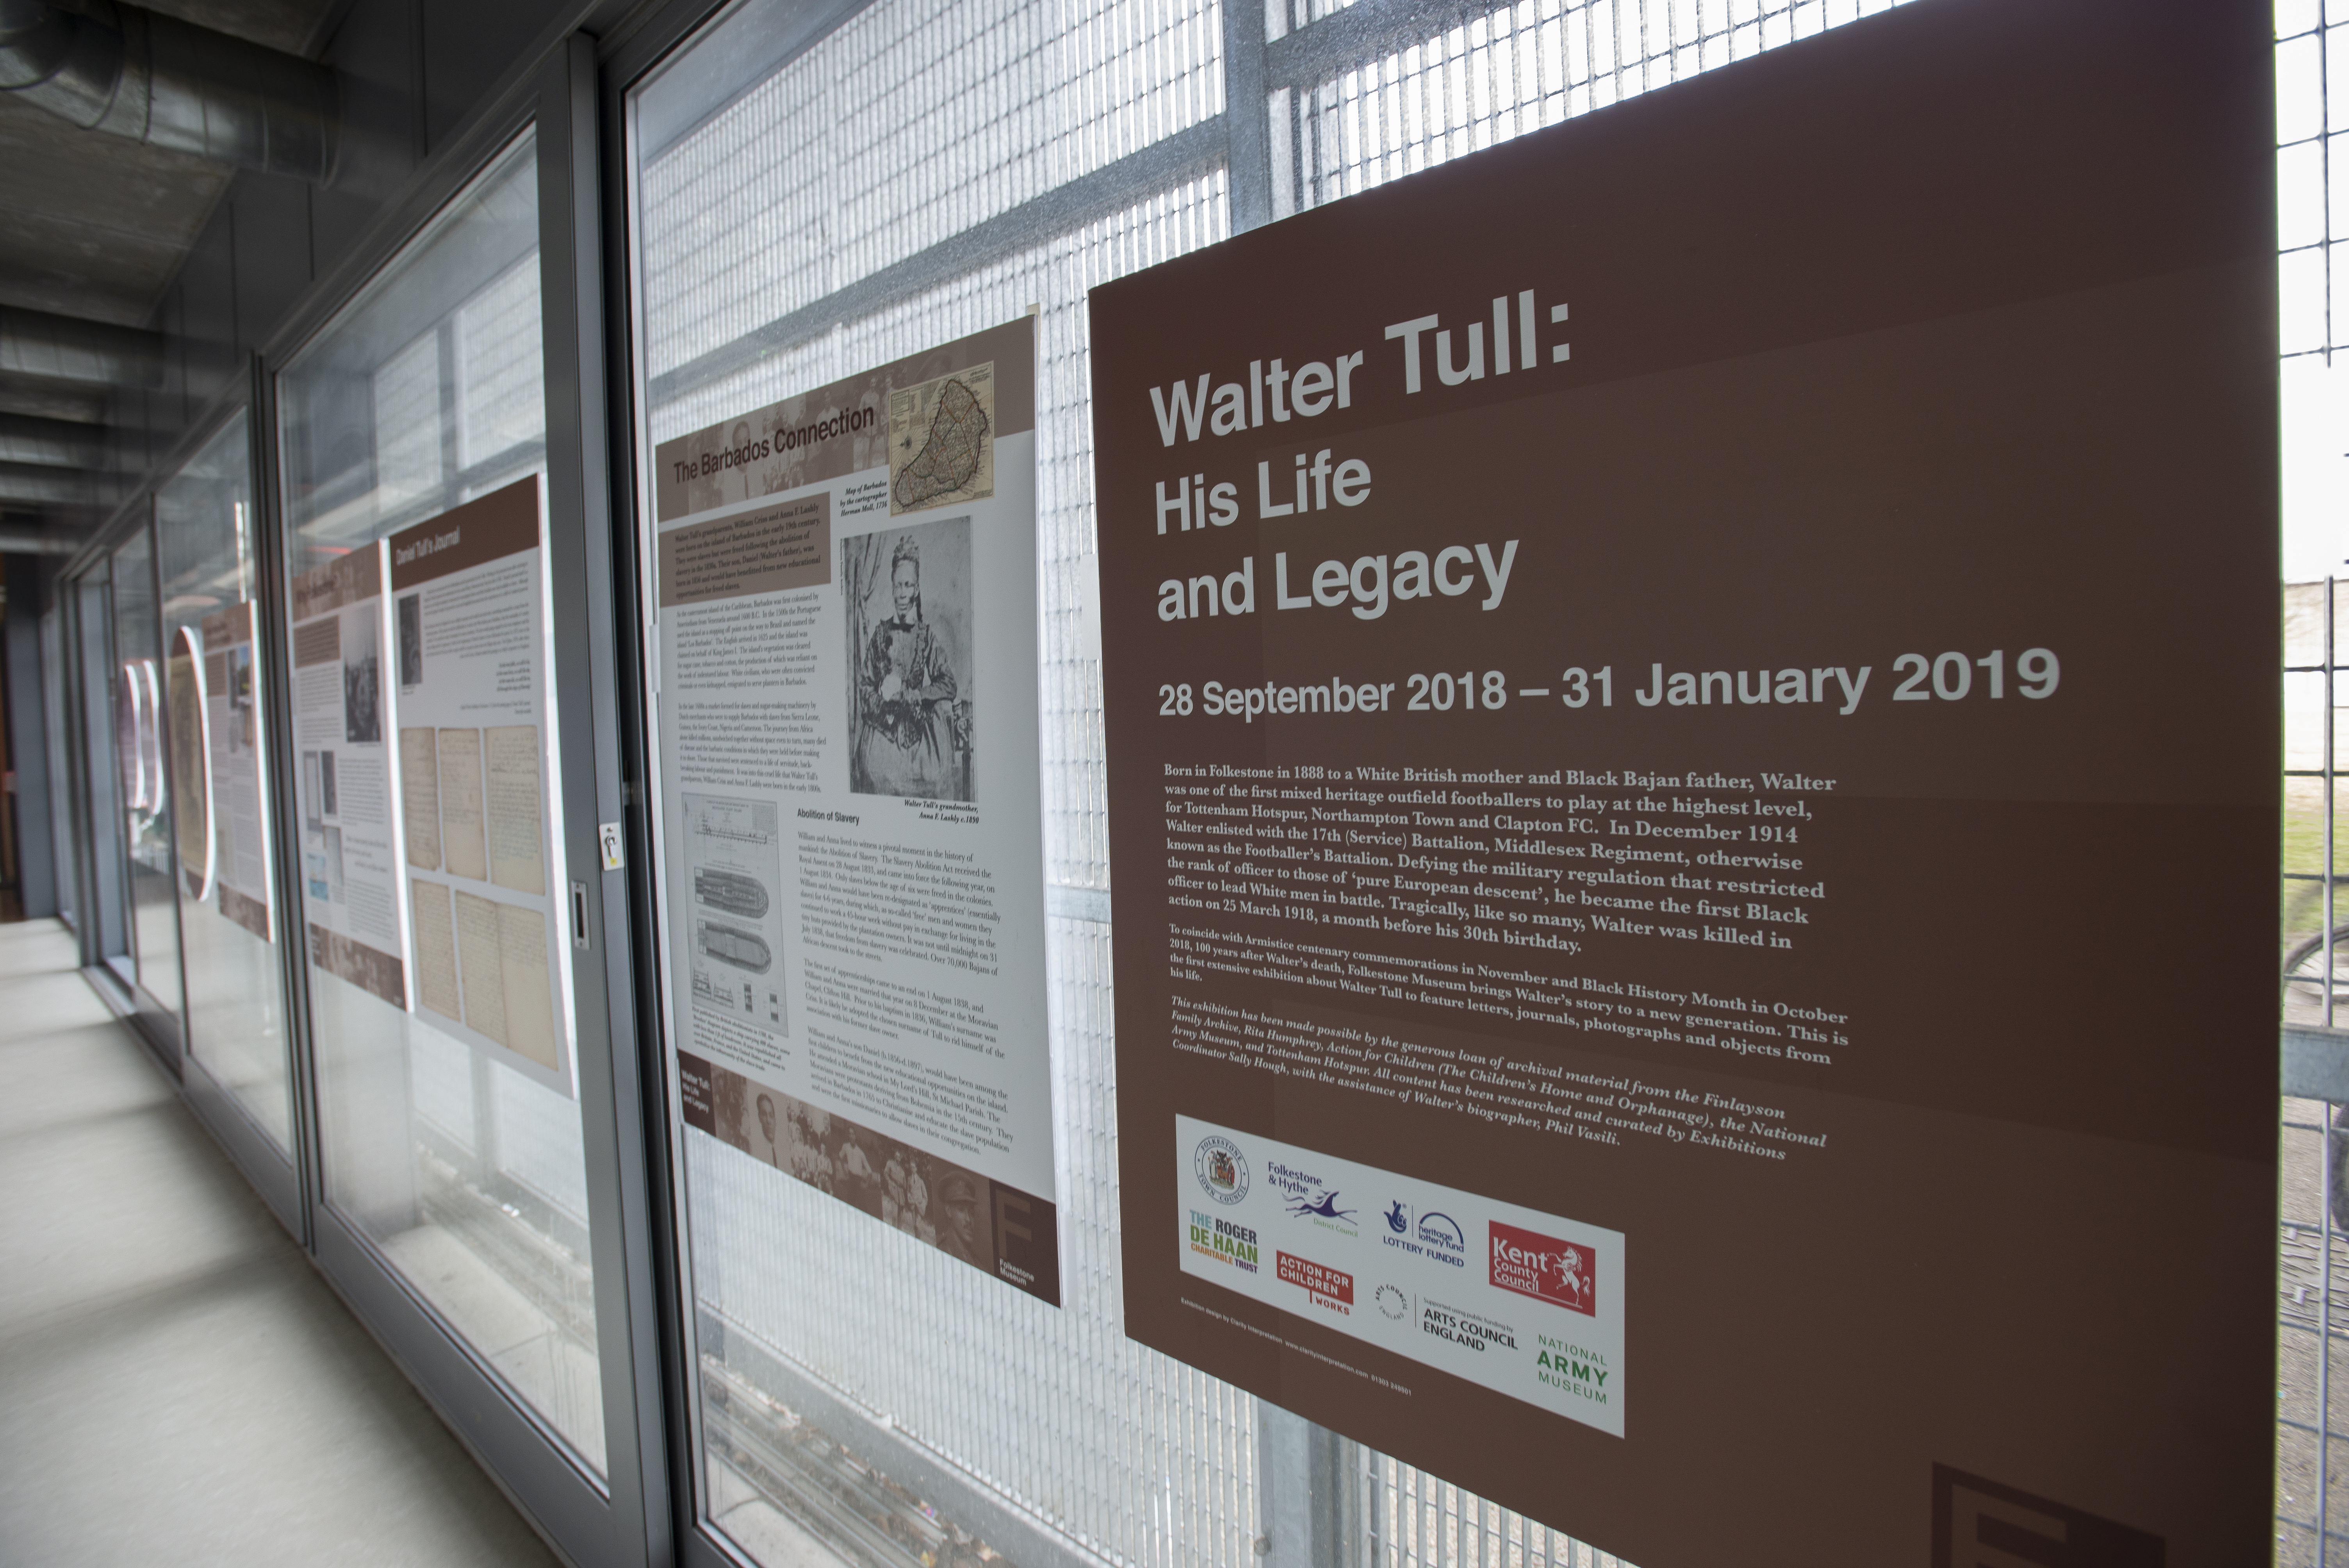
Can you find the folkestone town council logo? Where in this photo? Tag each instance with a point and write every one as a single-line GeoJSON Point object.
{"type": "Point", "coordinates": [1222, 1170]}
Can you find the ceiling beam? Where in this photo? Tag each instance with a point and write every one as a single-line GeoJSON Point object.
{"type": "Point", "coordinates": [51, 443]}
{"type": "Point", "coordinates": [34, 343]}
{"type": "Point", "coordinates": [24, 541]}
{"type": "Point", "coordinates": [34, 484]}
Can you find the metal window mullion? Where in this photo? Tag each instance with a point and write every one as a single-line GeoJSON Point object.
{"type": "Point", "coordinates": [2325, 1220]}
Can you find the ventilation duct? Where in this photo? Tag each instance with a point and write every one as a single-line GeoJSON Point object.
{"type": "Point", "coordinates": [68, 348]}
{"type": "Point", "coordinates": [168, 83]}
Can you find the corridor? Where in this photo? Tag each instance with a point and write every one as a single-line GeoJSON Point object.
{"type": "Point", "coordinates": [177, 1383]}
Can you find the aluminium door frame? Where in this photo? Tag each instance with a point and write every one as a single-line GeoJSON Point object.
{"type": "Point", "coordinates": [666, 26]}
{"type": "Point", "coordinates": [621, 1519]}
{"type": "Point", "coordinates": [276, 1173]}
{"type": "Point", "coordinates": [164, 1028]}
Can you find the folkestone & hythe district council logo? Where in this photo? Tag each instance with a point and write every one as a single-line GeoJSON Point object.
{"type": "Point", "coordinates": [1222, 1170]}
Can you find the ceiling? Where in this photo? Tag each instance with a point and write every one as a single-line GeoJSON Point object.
{"type": "Point", "coordinates": [96, 226]}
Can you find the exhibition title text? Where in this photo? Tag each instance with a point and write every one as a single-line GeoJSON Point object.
{"type": "Point", "coordinates": [1206, 408]}
{"type": "Point", "coordinates": [848, 422]}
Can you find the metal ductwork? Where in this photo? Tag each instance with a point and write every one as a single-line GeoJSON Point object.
{"type": "Point", "coordinates": [68, 348]}
{"type": "Point", "coordinates": [51, 443]}
{"type": "Point", "coordinates": [130, 72]}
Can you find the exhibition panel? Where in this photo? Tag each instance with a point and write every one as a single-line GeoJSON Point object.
{"type": "Point", "coordinates": [219, 759]}
{"type": "Point", "coordinates": [430, 855]}
{"type": "Point", "coordinates": [1507, 832]}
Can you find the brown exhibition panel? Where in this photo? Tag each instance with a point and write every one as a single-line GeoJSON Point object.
{"type": "Point", "coordinates": [1691, 721]}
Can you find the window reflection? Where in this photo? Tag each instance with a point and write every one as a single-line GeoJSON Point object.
{"type": "Point", "coordinates": [469, 1177]}
{"type": "Point", "coordinates": [217, 779]}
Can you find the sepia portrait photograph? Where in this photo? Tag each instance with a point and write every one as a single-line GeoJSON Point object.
{"type": "Point", "coordinates": [910, 725]}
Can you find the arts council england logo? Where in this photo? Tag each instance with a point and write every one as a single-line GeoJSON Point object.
{"type": "Point", "coordinates": [1222, 1170]}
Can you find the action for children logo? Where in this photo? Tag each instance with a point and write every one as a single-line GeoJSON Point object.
{"type": "Point", "coordinates": [1222, 1170]}
{"type": "Point", "coordinates": [1322, 1285]}
{"type": "Point", "coordinates": [1565, 1274]}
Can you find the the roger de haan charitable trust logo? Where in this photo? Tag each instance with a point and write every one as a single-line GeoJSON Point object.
{"type": "Point", "coordinates": [1565, 1274]}
{"type": "Point", "coordinates": [1222, 1170]}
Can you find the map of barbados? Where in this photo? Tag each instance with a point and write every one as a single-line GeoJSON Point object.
{"type": "Point", "coordinates": [941, 440]}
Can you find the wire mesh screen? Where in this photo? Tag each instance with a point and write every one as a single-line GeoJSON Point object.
{"type": "Point", "coordinates": [806, 184]}
{"type": "Point", "coordinates": [2311, 1463]}
{"type": "Point", "coordinates": [1473, 77]}
{"type": "Point", "coordinates": [1407, 1518]}
{"type": "Point", "coordinates": [1129, 1454]}
{"type": "Point", "coordinates": [910, 123]}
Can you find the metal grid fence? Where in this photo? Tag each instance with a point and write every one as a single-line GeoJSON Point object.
{"type": "Point", "coordinates": [1468, 79]}
{"type": "Point", "coordinates": [1412, 1519]}
{"type": "Point", "coordinates": [2311, 1465]}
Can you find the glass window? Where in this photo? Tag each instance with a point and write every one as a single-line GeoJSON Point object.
{"type": "Point", "coordinates": [139, 752]}
{"type": "Point", "coordinates": [801, 212]}
{"type": "Point", "coordinates": [464, 1165]}
{"type": "Point", "coordinates": [218, 772]}
{"type": "Point", "coordinates": [766, 202]}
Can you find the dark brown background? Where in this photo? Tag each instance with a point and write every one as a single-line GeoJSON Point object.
{"type": "Point", "coordinates": [1949, 329]}
{"type": "Point", "coordinates": [500, 523]}
{"type": "Point", "coordinates": [1011, 347]}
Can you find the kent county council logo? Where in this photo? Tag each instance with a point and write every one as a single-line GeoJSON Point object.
{"type": "Point", "coordinates": [1565, 1274]}
{"type": "Point", "coordinates": [1222, 1170]}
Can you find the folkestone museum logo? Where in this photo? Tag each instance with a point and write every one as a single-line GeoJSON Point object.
{"type": "Point", "coordinates": [1222, 1170]}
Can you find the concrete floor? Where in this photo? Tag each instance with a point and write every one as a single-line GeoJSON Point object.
{"type": "Point", "coordinates": [177, 1383]}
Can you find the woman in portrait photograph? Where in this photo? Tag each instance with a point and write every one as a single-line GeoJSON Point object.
{"type": "Point", "coordinates": [913, 741]}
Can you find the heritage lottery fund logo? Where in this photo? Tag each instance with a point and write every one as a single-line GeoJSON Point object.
{"type": "Point", "coordinates": [1222, 1170]}
{"type": "Point", "coordinates": [1564, 1274]}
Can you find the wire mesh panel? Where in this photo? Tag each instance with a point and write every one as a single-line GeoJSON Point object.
{"type": "Point", "coordinates": [862, 1393]}
{"type": "Point", "coordinates": [2311, 1462]}
{"type": "Point", "coordinates": [1409, 1519]}
{"type": "Point", "coordinates": [1474, 76]}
